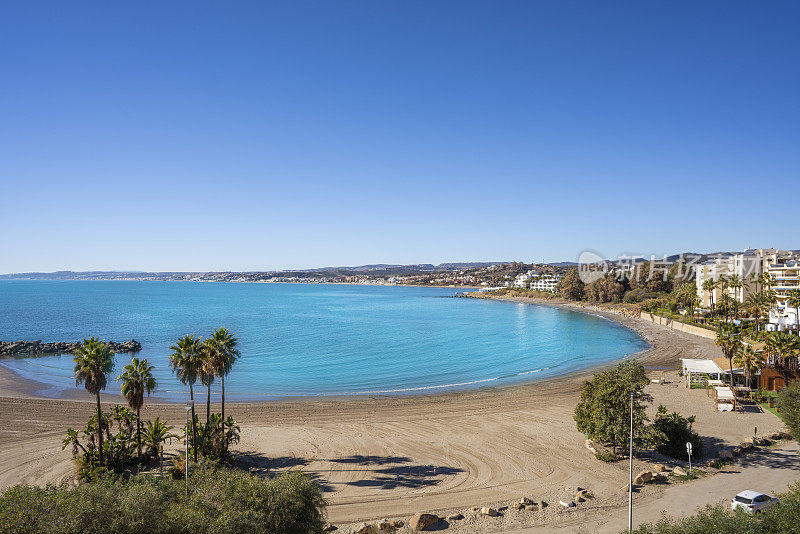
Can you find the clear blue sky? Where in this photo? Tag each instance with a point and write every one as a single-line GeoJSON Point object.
{"type": "Point", "coordinates": [250, 136]}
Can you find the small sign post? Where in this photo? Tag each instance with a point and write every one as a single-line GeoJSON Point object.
{"type": "Point", "coordinates": [689, 451]}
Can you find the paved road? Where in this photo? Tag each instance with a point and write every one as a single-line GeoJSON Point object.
{"type": "Point", "coordinates": [771, 471]}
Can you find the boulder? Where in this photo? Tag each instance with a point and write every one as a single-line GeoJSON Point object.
{"type": "Point", "coordinates": [398, 523]}
{"type": "Point", "coordinates": [746, 446]}
{"type": "Point", "coordinates": [643, 478]}
{"type": "Point", "coordinates": [420, 522]}
{"type": "Point", "coordinates": [660, 468]}
{"type": "Point", "coordinates": [659, 477]}
{"type": "Point", "coordinates": [584, 493]}
{"type": "Point", "coordinates": [384, 525]}
{"type": "Point", "coordinates": [579, 498]}
{"type": "Point", "coordinates": [365, 528]}
{"type": "Point", "coordinates": [725, 455]}
{"type": "Point", "coordinates": [566, 504]}
{"type": "Point", "coordinates": [518, 506]}
{"type": "Point", "coordinates": [525, 501]}
{"type": "Point", "coordinates": [455, 517]}
{"type": "Point", "coordinates": [491, 512]}
{"type": "Point", "coordinates": [330, 528]}
{"type": "Point", "coordinates": [423, 521]}
{"type": "Point", "coordinates": [680, 471]}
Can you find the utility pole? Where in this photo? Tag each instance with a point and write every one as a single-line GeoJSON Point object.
{"type": "Point", "coordinates": [630, 475]}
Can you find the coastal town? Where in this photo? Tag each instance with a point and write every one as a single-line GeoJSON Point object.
{"type": "Point", "coordinates": [400, 267]}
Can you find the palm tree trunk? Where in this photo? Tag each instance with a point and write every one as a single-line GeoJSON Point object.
{"type": "Point", "coordinates": [730, 364]}
{"type": "Point", "coordinates": [208, 403]}
{"type": "Point", "coordinates": [194, 425]}
{"type": "Point", "coordinates": [99, 430]}
{"type": "Point", "coordinates": [224, 437]}
{"type": "Point", "coordinates": [139, 429]}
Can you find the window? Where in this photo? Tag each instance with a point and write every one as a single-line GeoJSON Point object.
{"type": "Point", "coordinates": [743, 500]}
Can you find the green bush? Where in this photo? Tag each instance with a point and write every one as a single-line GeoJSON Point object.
{"type": "Point", "coordinates": [677, 431]}
{"type": "Point", "coordinates": [220, 500]}
{"type": "Point", "coordinates": [788, 402]}
{"type": "Point", "coordinates": [778, 519]}
{"type": "Point", "coordinates": [607, 457]}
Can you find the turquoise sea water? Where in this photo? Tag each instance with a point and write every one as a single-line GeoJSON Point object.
{"type": "Point", "coordinates": [309, 339]}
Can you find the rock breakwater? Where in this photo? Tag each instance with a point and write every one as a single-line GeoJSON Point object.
{"type": "Point", "coordinates": [20, 348]}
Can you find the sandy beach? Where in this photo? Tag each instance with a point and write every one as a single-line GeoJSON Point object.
{"type": "Point", "coordinates": [394, 456]}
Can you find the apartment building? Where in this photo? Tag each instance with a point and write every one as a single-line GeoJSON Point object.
{"type": "Point", "coordinates": [746, 267]}
{"type": "Point", "coordinates": [784, 268]}
{"type": "Point", "coordinates": [782, 265]}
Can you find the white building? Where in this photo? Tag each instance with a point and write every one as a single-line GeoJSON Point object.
{"type": "Point", "coordinates": [782, 265]}
{"type": "Point", "coordinates": [537, 281]}
{"type": "Point", "coordinates": [743, 266]}
{"type": "Point", "coordinates": [785, 319]}
{"type": "Point", "coordinates": [546, 282]}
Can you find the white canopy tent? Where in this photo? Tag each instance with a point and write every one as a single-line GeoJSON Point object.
{"type": "Point", "coordinates": [705, 367]}
{"type": "Point", "coordinates": [724, 399]}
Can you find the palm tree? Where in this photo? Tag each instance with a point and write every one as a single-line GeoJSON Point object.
{"type": "Point", "coordinates": [223, 354]}
{"type": "Point", "coordinates": [793, 301]}
{"type": "Point", "coordinates": [207, 375]}
{"type": "Point", "coordinates": [750, 361]}
{"type": "Point", "coordinates": [730, 341]}
{"type": "Point", "coordinates": [155, 433]}
{"type": "Point", "coordinates": [755, 304]}
{"type": "Point", "coordinates": [187, 361]}
{"type": "Point", "coordinates": [735, 283]}
{"type": "Point", "coordinates": [137, 379]}
{"type": "Point", "coordinates": [93, 363]}
{"type": "Point", "coordinates": [710, 285]}
{"type": "Point", "coordinates": [726, 304]}
{"type": "Point", "coordinates": [785, 347]}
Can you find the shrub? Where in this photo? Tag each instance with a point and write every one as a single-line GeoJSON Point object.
{"type": "Point", "coordinates": [788, 402]}
{"type": "Point", "coordinates": [719, 463]}
{"type": "Point", "coordinates": [220, 500]}
{"type": "Point", "coordinates": [677, 431]}
{"type": "Point", "coordinates": [607, 457]}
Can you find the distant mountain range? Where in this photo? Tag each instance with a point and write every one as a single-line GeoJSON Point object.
{"type": "Point", "coordinates": [376, 269]}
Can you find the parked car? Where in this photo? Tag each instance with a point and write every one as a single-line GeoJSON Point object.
{"type": "Point", "coordinates": [752, 502]}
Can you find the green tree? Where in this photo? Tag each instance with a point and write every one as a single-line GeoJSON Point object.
{"type": "Point", "coordinates": [94, 361]}
{"type": "Point", "coordinates": [157, 433]}
{"type": "Point", "coordinates": [709, 286]}
{"type": "Point", "coordinates": [729, 340]}
{"type": "Point", "coordinates": [571, 286]}
{"type": "Point", "coordinates": [137, 379]}
{"type": "Point", "coordinates": [750, 361]}
{"type": "Point", "coordinates": [603, 412]}
{"type": "Point", "coordinates": [785, 348]}
{"type": "Point", "coordinates": [187, 361]}
{"type": "Point", "coordinates": [606, 289]}
{"type": "Point", "coordinates": [686, 296]}
{"type": "Point", "coordinates": [788, 402]}
{"type": "Point", "coordinates": [756, 306]}
{"type": "Point", "coordinates": [222, 354]}
{"type": "Point", "coordinates": [736, 284]}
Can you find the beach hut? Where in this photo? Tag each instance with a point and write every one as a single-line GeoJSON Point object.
{"type": "Point", "coordinates": [724, 399]}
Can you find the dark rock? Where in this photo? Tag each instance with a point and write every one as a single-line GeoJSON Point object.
{"type": "Point", "coordinates": [33, 348]}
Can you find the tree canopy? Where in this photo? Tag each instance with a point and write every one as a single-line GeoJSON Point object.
{"type": "Point", "coordinates": [604, 410]}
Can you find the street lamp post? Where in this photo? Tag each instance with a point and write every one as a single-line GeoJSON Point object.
{"type": "Point", "coordinates": [189, 406]}
{"type": "Point", "coordinates": [630, 474]}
